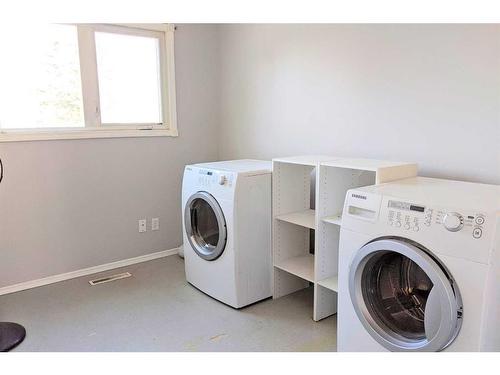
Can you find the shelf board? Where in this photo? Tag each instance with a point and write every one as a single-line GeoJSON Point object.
{"type": "Point", "coordinates": [304, 218]}
{"type": "Point", "coordinates": [301, 266]}
{"type": "Point", "coordinates": [335, 219]}
{"type": "Point", "coordinates": [309, 160]}
{"type": "Point", "coordinates": [364, 164]}
{"type": "Point", "coordinates": [331, 283]}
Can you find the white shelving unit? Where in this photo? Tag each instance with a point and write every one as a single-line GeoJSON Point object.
{"type": "Point", "coordinates": [295, 266]}
{"type": "Point", "coordinates": [293, 219]}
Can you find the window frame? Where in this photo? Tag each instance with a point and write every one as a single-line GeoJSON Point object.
{"type": "Point", "coordinates": [93, 127]}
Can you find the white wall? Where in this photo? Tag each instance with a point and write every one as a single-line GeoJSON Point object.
{"type": "Point", "coordinates": [424, 93]}
{"type": "Point", "coordinates": [67, 205]}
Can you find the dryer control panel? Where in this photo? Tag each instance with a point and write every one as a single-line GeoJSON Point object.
{"type": "Point", "coordinates": [208, 178]}
{"type": "Point", "coordinates": [414, 217]}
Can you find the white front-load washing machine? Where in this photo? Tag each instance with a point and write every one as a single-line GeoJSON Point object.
{"type": "Point", "coordinates": [227, 229]}
{"type": "Point", "coordinates": [419, 267]}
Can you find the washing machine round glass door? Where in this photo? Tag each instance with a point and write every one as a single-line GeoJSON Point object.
{"type": "Point", "coordinates": [405, 299]}
{"type": "Point", "coordinates": [205, 225]}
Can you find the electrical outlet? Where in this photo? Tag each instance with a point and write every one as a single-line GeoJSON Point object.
{"type": "Point", "coordinates": [155, 223]}
{"type": "Point", "coordinates": [142, 225]}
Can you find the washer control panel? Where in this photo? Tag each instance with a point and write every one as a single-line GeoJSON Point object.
{"type": "Point", "coordinates": [413, 217]}
{"type": "Point", "coordinates": [406, 215]}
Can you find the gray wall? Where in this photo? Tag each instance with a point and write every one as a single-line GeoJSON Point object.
{"type": "Point", "coordinates": [67, 205]}
{"type": "Point", "coordinates": [424, 93]}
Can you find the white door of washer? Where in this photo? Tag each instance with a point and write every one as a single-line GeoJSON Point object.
{"type": "Point", "coordinates": [405, 299]}
{"type": "Point", "coordinates": [205, 225]}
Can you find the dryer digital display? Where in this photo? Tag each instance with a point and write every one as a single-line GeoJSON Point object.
{"type": "Point", "coordinates": [417, 208]}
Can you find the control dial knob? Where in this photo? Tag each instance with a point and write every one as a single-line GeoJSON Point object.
{"type": "Point", "coordinates": [453, 221]}
{"type": "Point", "coordinates": [222, 179]}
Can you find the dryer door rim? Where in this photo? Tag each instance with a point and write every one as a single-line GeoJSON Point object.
{"type": "Point", "coordinates": [443, 311]}
{"type": "Point", "coordinates": [206, 251]}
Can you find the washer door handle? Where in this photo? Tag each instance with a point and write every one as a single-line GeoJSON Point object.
{"type": "Point", "coordinates": [432, 317]}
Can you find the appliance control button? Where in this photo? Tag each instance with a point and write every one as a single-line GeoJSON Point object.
{"type": "Point", "coordinates": [428, 223]}
{"type": "Point", "coordinates": [479, 220]}
{"type": "Point", "coordinates": [407, 226]}
{"type": "Point", "coordinates": [477, 233]}
{"type": "Point", "coordinates": [453, 221]}
{"type": "Point", "coordinates": [222, 179]}
{"type": "Point", "coordinates": [397, 223]}
{"type": "Point", "coordinates": [416, 228]}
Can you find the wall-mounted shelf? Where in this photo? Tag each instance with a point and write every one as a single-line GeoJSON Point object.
{"type": "Point", "coordinates": [305, 218]}
{"type": "Point", "coordinates": [300, 206]}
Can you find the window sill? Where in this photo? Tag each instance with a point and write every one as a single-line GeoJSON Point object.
{"type": "Point", "coordinates": [37, 135]}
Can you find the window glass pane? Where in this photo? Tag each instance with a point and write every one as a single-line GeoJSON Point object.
{"type": "Point", "coordinates": [40, 78]}
{"type": "Point", "coordinates": [129, 78]}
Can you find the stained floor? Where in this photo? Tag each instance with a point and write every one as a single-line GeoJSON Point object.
{"type": "Point", "coordinates": [157, 310]}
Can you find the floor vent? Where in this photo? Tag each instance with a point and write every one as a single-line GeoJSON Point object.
{"type": "Point", "coordinates": [107, 279]}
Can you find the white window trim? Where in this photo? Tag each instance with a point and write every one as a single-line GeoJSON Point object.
{"type": "Point", "coordinates": [91, 101]}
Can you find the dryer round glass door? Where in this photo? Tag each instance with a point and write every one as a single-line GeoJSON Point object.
{"type": "Point", "coordinates": [205, 225]}
{"type": "Point", "coordinates": [404, 298]}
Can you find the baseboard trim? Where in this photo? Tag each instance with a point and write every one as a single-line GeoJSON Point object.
{"type": "Point", "coordinates": [85, 271]}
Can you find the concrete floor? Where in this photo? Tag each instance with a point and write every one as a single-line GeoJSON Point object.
{"type": "Point", "coordinates": [157, 310]}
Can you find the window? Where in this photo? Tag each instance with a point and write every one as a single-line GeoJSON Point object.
{"type": "Point", "coordinates": [87, 80]}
